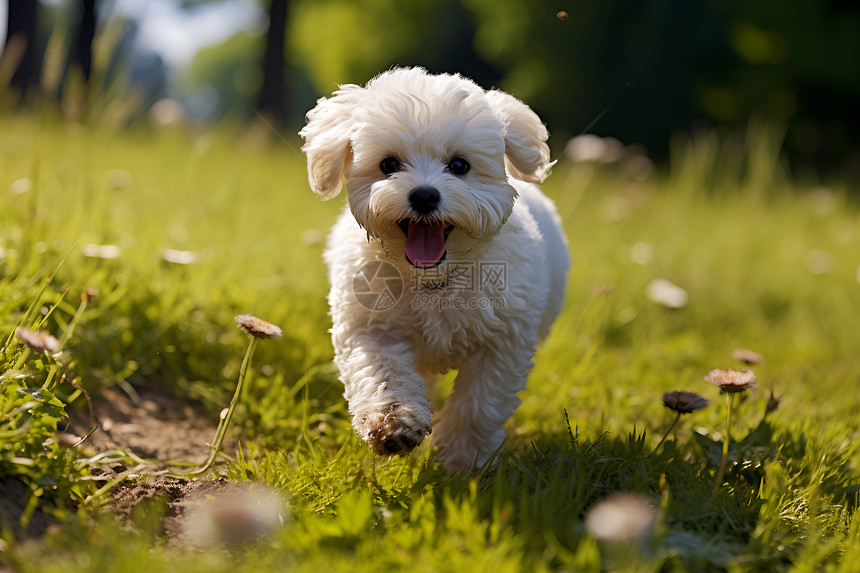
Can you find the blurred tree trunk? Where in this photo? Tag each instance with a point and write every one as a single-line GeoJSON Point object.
{"type": "Point", "coordinates": [271, 102]}
{"type": "Point", "coordinates": [21, 51]}
{"type": "Point", "coordinates": [74, 86]}
{"type": "Point", "coordinates": [82, 52]}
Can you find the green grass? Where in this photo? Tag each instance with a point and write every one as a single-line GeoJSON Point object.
{"type": "Point", "coordinates": [725, 222]}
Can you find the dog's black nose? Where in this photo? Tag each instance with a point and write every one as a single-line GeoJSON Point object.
{"type": "Point", "coordinates": [424, 199]}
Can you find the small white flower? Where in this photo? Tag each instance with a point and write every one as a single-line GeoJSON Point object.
{"type": "Point", "coordinates": [20, 186]}
{"type": "Point", "coordinates": [178, 257]}
{"type": "Point", "coordinates": [587, 147]}
{"type": "Point", "coordinates": [101, 251]}
{"type": "Point", "coordinates": [641, 253]}
{"type": "Point", "coordinates": [621, 517]}
{"type": "Point", "coordinates": [667, 293]}
{"type": "Point", "coordinates": [590, 147]}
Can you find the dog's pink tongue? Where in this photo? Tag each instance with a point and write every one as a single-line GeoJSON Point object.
{"type": "Point", "coordinates": [425, 244]}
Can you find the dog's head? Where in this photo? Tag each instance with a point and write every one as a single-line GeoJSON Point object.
{"type": "Point", "coordinates": [426, 159]}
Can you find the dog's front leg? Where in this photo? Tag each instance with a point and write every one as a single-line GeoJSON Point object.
{"type": "Point", "coordinates": [387, 396]}
{"type": "Point", "coordinates": [472, 423]}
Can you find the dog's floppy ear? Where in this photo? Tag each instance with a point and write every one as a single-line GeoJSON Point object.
{"type": "Point", "coordinates": [526, 151]}
{"type": "Point", "coordinates": [327, 140]}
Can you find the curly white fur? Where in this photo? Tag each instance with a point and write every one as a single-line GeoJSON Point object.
{"type": "Point", "coordinates": [494, 220]}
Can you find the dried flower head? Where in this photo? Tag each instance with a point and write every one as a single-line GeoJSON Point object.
{"type": "Point", "coordinates": [747, 356]}
{"type": "Point", "coordinates": [39, 341]}
{"type": "Point", "coordinates": [90, 294]}
{"type": "Point", "coordinates": [732, 380]}
{"type": "Point", "coordinates": [258, 327]}
{"type": "Point", "coordinates": [684, 402]}
{"type": "Point", "coordinates": [621, 517]}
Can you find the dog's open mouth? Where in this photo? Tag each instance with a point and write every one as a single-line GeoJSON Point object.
{"type": "Point", "coordinates": [425, 242]}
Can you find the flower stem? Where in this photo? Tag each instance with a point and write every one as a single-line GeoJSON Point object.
{"type": "Point", "coordinates": [722, 469]}
{"type": "Point", "coordinates": [67, 334]}
{"type": "Point", "coordinates": [22, 359]}
{"type": "Point", "coordinates": [666, 435]}
{"type": "Point", "coordinates": [221, 432]}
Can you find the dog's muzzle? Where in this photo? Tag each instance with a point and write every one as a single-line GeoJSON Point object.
{"type": "Point", "coordinates": [425, 237]}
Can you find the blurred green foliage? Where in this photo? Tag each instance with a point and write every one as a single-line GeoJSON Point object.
{"type": "Point", "coordinates": [639, 71]}
{"type": "Point", "coordinates": [659, 66]}
{"type": "Point", "coordinates": [230, 69]}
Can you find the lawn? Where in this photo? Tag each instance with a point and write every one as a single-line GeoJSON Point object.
{"type": "Point", "coordinates": [180, 231]}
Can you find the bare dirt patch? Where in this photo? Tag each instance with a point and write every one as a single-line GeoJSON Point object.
{"type": "Point", "coordinates": [140, 430]}
{"type": "Point", "coordinates": [168, 497]}
{"type": "Point", "coordinates": [151, 425]}
{"type": "Point", "coordinates": [159, 428]}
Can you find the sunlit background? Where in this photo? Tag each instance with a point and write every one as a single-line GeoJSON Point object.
{"type": "Point", "coordinates": [152, 189]}
{"type": "Point", "coordinates": [639, 72]}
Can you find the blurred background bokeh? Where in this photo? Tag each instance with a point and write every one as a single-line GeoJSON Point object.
{"type": "Point", "coordinates": [642, 72]}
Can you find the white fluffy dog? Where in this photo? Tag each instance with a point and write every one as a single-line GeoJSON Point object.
{"type": "Point", "coordinates": [448, 257]}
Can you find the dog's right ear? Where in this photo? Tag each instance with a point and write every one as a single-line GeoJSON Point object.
{"type": "Point", "coordinates": [327, 140]}
{"type": "Point", "coordinates": [526, 152]}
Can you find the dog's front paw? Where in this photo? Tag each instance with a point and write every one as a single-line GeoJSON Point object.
{"type": "Point", "coordinates": [397, 430]}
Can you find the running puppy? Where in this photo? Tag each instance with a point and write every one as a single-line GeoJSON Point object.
{"type": "Point", "coordinates": [447, 258]}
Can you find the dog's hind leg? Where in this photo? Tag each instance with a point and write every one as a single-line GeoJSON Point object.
{"type": "Point", "coordinates": [472, 424]}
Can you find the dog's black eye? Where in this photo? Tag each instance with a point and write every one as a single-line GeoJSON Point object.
{"type": "Point", "coordinates": [389, 165]}
{"type": "Point", "coordinates": [458, 166]}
